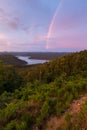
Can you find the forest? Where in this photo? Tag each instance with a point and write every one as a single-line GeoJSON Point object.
{"type": "Point", "coordinates": [30, 96]}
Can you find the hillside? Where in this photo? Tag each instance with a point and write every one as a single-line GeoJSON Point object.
{"type": "Point", "coordinates": [65, 121]}
{"type": "Point", "coordinates": [66, 66]}
{"type": "Point", "coordinates": [42, 97]}
{"type": "Point", "coordinates": [10, 59]}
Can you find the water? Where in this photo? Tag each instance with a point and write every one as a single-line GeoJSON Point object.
{"type": "Point", "coordinates": [31, 61]}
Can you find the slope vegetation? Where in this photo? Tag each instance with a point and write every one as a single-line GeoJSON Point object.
{"type": "Point", "coordinates": [46, 96]}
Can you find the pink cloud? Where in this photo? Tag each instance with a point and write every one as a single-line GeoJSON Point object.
{"type": "Point", "coordinates": [9, 20]}
{"type": "Point", "coordinates": [12, 24]}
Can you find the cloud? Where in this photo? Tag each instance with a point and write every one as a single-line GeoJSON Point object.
{"type": "Point", "coordinates": [13, 24]}
{"type": "Point", "coordinates": [9, 20]}
{"type": "Point", "coordinates": [28, 15]}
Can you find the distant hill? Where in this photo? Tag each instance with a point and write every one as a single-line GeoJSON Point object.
{"type": "Point", "coordinates": [10, 59]}
{"type": "Point", "coordinates": [39, 55]}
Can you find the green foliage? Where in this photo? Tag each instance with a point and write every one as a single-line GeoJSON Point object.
{"type": "Point", "coordinates": [11, 125]}
{"type": "Point", "coordinates": [49, 89]}
{"type": "Point", "coordinates": [14, 125]}
{"type": "Point", "coordinates": [35, 104]}
{"type": "Point", "coordinates": [44, 113]}
{"type": "Point", "coordinates": [62, 68]}
{"type": "Point", "coordinates": [9, 78]}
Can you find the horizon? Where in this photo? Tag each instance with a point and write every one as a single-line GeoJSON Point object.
{"type": "Point", "coordinates": [44, 26]}
{"type": "Point", "coordinates": [42, 51]}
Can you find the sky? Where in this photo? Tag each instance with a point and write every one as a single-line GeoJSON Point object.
{"type": "Point", "coordinates": [43, 25]}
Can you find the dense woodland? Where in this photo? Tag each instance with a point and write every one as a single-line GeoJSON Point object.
{"type": "Point", "coordinates": [29, 96]}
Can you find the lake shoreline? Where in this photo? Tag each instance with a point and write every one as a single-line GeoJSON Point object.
{"type": "Point", "coordinates": [30, 61]}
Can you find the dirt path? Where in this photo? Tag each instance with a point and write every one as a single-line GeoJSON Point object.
{"type": "Point", "coordinates": [54, 122]}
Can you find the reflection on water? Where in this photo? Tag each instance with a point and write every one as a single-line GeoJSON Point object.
{"type": "Point", "coordinates": [31, 61]}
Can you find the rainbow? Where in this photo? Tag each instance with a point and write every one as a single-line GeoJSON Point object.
{"type": "Point", "coordinates": [52, 23]}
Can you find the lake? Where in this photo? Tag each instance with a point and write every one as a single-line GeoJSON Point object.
{"type": "Point", "coordinates": [31, 61]}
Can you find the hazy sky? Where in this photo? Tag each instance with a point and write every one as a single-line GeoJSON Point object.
{"type": "Point", "coordinates": [43, 25]}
